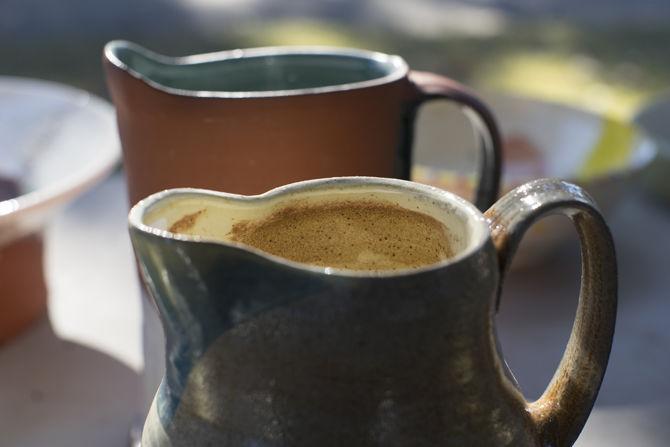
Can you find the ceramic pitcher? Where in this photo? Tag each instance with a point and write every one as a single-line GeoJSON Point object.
{"type": "Point", "coordinates": [263, 351]}
{"type": "Point", "coordinates": [246, 121]}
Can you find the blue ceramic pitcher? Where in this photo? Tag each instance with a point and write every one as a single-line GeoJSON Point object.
{"type": "Point", "coordinates": [263, 351]}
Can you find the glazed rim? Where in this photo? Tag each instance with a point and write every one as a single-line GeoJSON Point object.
{"type": "Point", "coordinates": [397, 68]}
{"type": "Point", "coordinates": [472, 218]}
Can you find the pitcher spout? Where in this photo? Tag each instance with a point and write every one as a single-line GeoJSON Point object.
{"type": "Point", "coordinates": [204, 290]}
{"type": "Point", "coordinates": [137, 61]}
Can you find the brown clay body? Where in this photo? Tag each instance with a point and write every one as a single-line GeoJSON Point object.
{"type": "Point", "coordinates": [180, 127]}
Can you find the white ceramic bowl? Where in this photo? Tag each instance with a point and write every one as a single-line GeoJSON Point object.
{"type": "Point", "coordinates": [56, 142]}
{"type": "Point", "coordinates": [541, 139]}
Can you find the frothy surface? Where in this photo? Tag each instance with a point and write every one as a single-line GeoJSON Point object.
{"type": "Point", "coordinates": [358, 235]}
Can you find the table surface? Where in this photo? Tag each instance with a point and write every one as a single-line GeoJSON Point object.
{"type": "Point", "coordinates": [75, 378]}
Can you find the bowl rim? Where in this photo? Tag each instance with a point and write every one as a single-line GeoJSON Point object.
{"type": "Point", "coordinates": [642, 154]}
{"type": "Point", "coordinates": [68, 187]}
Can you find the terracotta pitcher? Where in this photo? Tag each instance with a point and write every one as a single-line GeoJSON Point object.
{"type": "Point", "coordinates": [265, 351]}
{"type": "Point", "coordinates": [246, 121]}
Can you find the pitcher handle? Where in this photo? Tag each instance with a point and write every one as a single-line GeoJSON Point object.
{"type": "Point", "coordinates": [431, 86]}
{"type": "Point", "coordinates": [561, 412]}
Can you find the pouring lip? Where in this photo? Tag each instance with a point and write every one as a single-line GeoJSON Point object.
{"type": "Point", "coordinates": [475, 220]}
{"type": "Point", "coordinates": [399, 70]}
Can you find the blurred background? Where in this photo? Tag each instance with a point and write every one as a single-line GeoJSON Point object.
{"type": "Point", "coordinates": [605, 54]}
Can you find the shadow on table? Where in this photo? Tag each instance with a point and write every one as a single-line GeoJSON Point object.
{"type": "Point", "coordinates": [58, 393]}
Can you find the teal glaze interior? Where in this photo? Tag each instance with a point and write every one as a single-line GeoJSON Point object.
{"type": "Point", "coordinates": [257, 72]}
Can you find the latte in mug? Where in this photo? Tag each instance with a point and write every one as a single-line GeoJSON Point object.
{"type": "Point", "coordinates": [350, 233]}
{"type": "Point", "coordinates": [357, 235]}
{"type": "Point", "coordinates": [264, 351]}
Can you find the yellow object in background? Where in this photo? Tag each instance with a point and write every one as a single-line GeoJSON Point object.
{"type": "Point", "coordinates": [302, 32]}
{"type": "Point", "coordinates": [574, 80]}
{"type": "Point", "coordinates": [612, 151]}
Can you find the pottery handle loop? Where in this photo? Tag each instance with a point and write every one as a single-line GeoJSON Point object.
{"type": "Point", "coordinates": [561, 412]}
{"type": "Point", "coordinates": [430, 86]}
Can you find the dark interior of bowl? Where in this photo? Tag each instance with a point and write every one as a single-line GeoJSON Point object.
{"type": "Point", "coordinates": [8, 188]}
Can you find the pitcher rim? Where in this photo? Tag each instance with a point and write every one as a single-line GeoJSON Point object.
{"type": "Point", "coordinates": [400, 68]}
{"type": "Point", "coordinates": [474, 220]}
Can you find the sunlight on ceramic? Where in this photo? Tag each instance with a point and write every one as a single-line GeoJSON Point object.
{"type": "Point", "coordinates": [231, 117]}
{"type": "Point", "coordinates": [55, 141]}
{"type": "Point", "coordinates": [268, 352]}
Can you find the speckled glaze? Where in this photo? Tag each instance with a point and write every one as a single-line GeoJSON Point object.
{"type": "Point", "coordinates": [266, 352]}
